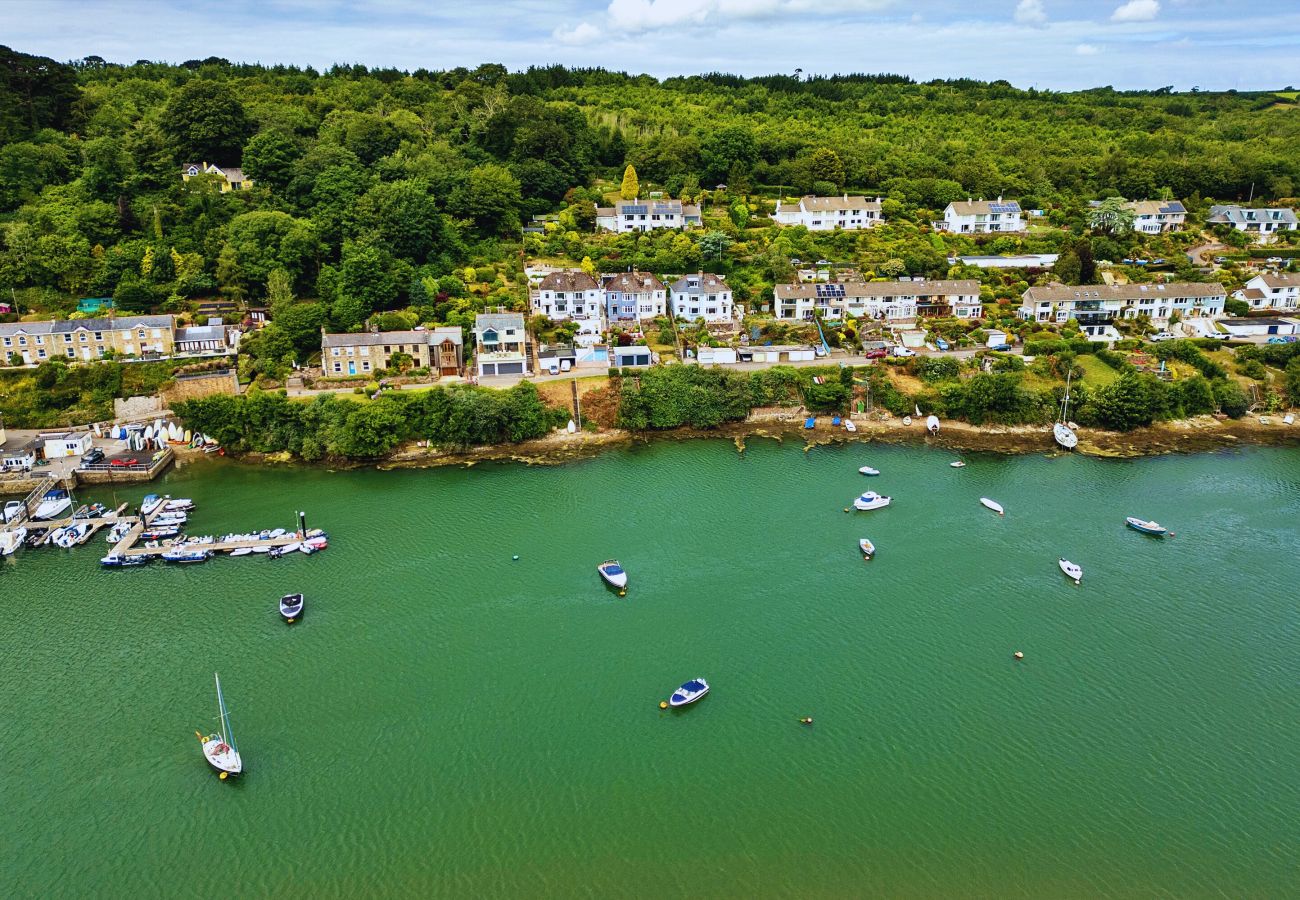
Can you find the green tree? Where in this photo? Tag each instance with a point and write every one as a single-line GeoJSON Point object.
{"type": "Point", "coordinates": [713, 244]}
{"type": "Point", "coordinates": [403, 216]}
{"type": "Point", "coordinates": [1231, 398]}
{"type": "Point", "coordinates": [1111, 216]}
{"type": "Point", "coordinates": [631, 188]}
{"type": "Point", "coordinates": [206, 122]}
{"type": "Point", "coordinates": [1292, 380]}
{"type": "Point", "coordinates": [269, 159]}
{"type": "Point", "coordinates": [825, 165]}
{"type": "Point", "coordinates": [489, 197]}
{"type": "Point", "coordinates": [1124, 404]}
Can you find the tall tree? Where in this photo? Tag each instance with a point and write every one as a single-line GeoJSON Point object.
{"type": "Point", "coordinates": [631, 188]}
{"type": "Point", "coordinates": [206, 122]}
{"type": "Point", "coordinates": [1111, 216]}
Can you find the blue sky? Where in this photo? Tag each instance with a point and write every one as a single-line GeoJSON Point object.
{"type": "Point", "coordinates": [1057, 44]}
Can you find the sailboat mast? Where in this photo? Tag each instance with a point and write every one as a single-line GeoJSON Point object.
{"type": "Point", "coordinates": [224, 716]}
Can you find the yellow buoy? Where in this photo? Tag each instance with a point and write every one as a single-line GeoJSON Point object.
{"type": "Point", "coordinates": [223, 775]}
{"type": "Point", "coordinates": [291, 621]}
{"type": "Point", "coordinates": [663, 704]}
{"type": "Point", "coordinates": [622, 593]}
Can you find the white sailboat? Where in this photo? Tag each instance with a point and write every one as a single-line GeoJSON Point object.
{"type": "Point", "coordinates": [219, 747]}
{"type": "Point", "coordinates": [1061, 431]}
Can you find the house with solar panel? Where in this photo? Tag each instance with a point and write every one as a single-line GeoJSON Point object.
{"type": "Point", "coordinates": [885, 301]}
{"type": "Point", "coordinates": [702, 295]}
{"type": "Point", "coordinates": [646, 215]}
{"type": "Point", "coordinates": [828, 213]}
{"type": "Point", "coordinates": [1157, 216]}
{"type": "Point", "coordinates": [981, 217]}
{"type": "Point", "coordinates": [571, 295]}
{"type": "Point", "coordinates": [632, 297]}
{"type": "Point", "coordinates": [1261, 224]}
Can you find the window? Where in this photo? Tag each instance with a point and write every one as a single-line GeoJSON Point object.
{"type": "Point", "coordinates": [83, 337]}
{"type": "Point", "coordinates": [40, 354]}
{"type": "Point", "coordinates": [334, 351]}
{"type": "Point", "coordinates": [22, 341]}
{"type": "Point", "coordinates": [99, 335]}
{"type": "Point", "coordinates": [67, 339]}
{"type": "Point", "coordinates": [71, 353]}
{"type": "Point", "coordinates": [338, 367]}
{"type": "Point", "coordinates": [365, 366]}
{"type": "Point", "coordinates": [9, 342]}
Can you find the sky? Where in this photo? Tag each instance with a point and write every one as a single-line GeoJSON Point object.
{"type": "Point", "coordinates": [1049, 44]}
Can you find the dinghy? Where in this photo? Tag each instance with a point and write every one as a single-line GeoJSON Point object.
{"type": "Point", "coordinates": [613, 573]}
{"type": "Point", "coordinates": [867, 470]}
{"type": "Point", "coordinates": [571, 427]}
{"type": "Point", "coordinates": [1070, 569]}
{"type": "Point", "coordinates": [849, 426]}
{"type": "Point", "coordinates": [868, 549]}
{"type": "Point", "coordinates": [958, 464]}
{"type": "Point", "coordinates": [907, 420]}
{"type": "Point", "coordinates": [219, 747]}
{"type": "Point", "coordinates": [11, 540]}
{"type": "Point", "coordinates": [871, 500]}
{"type": "Point", "coordinates": [932, 424]}
{"type": "Point", "coordinates": [291, 607]}
{"type": "Point", "coordinates": [689, 692]}
{"type": "Point", "coordinates": [1147, 527]}
{"type": "Point", "coordinates": [993, 505]}
{"type": "Point", "coordinates": [241, 551]}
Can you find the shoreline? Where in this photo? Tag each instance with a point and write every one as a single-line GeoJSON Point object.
{"type": "Point", "coordinates": [1197, 435]}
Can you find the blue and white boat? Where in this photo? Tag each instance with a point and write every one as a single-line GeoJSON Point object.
{"type": "Point", "coordinates": [150, 504]}
{"type": "Point", "coordinates": [867, 470]}
{"type": "Point", "coordinates": [52, 504]}
{"type": "Point", "coordinates": [871, 500]}
{"type": "Point", "coordinates": [121, 561]}
{"type": "Point", "coordinates": [186, 555]}
{"type": "Point", "coordinates": [1147, 527]}
{"type": "Point", "coordinates": [868, 549]}
{"type": "Point", "coordinates": [612, 571]}
{"type": "Point", "coordinates": [689, 692]}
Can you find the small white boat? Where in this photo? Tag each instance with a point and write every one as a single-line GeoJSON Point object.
{"type": "Point", "coordinates": [867, 470]}
{"type": "Point", "coordinates": [612, 571]}
{"type": "Point", "coordinates": [1070, 569]}
{"type": "Point", "coordinates": [958, 464]}
{"type": "Point", "coordinates": [307, 549]}
{"type": "Point", "coordinates": [118, 531]}
{"type": "Point", "coordinates": [849, 426]}
{"type": "Point", "coordinates": [1288, 419]}
{"type": "Point", "coordinates": [993, 505]}
{"type": "Point", "coordinates": [241, 551]}
{"type": "Point", "coordinates": [261, 549]}
{"type": "Point", "coordinates": [150, 504]}
{"type": "Point", "coordinates": [52, 504]}
{"type": "Point", "coordinates": [689, 692]}
{"type": "Point", "coordinates": [1064, 436]}
{"type": "Point", "coordinates": [907, 420]}
{"type": "Point", "coordinates": [291, 607]}
{"type": "Point", "coordinates": [917, 410]}
{"type": "Point", "coordinates": [291, 548]}
{"type": "Point", "coordinates": [868, 549]}
{"type": "Point", "coordinates": [932, 424]}
{"type": "Point", "coordinates": [1146, 527]}
{"type": "Point", "coordinates": [571, 427]}
{"type": "Point", "coordinates": [11, 540]}
{"type": "Point", "coordinates": [13, 510]}
{"type": "Point", "coordinates": [871, 500]}
{"type": "Point", "coordinates": [219, 747]}
{"type": "Point", "coordinates": [73, 535]}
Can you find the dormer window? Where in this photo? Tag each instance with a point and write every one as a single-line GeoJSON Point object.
{"type": "Point", "coordinates": [193, 170]}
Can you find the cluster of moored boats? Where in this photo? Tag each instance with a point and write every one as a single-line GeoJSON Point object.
{"type": "Point", "coordinates": [870, 500]}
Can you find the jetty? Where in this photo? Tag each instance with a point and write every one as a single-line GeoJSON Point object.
{"type": "Point", "coordinates": [42, 528]}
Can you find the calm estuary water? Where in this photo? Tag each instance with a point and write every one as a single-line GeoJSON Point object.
{"type": "Point", "coordinates": [448, 722]}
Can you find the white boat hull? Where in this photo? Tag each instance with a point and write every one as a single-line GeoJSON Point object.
{"type": "Point", "coordinates": [868, 505]}
{"type": "Point", "coordinates": [1064, 436]}
{"type": "Point", "coordinates": [1071, 570]}
{"type": "Point", "coordinates": [48, 509]}
{"type": "Point", "coordinates": [993, 505]}
{"type": "Point", "coordinates": [868, 549]}
{"type": "Point", "coordinates": [867, 470]}
{"type": "Point", "coordinates": [957, 465]}
{"type": "Point", "coordinates": [849, 426]}
{"type": "Point", "coordinates": [221, 756]}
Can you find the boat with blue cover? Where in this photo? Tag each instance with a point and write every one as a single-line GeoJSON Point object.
{"type": "Point", "coordinates": [1146, 527]}
{"type": "Point", "coordinates": [871, 500]}
{"type": "Point", "coordinates": [689, 692]}
{"type": "Point", "coordinates": [612, 571]}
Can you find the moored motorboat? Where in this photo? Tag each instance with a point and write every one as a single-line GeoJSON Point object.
{"type": "Point", "coordinates": [11, 540]}
{"type": "Point", "coordinates": [868, 549]}
{"type": "Point", "coordinates": [241, 551]}
{"type": "Point", "coordinates": [689, 692]}
{"type": "Point", "coordinates": [612, 571]}
{"type": "Point", "coordinates": [871, 500]}
{"type": "Point", "coordinates": [52, 504]}
{"type": "Point", "coordinates": [186, 555]}
{"type": "Point", "coordinates": [219, 747]}
{"type": "Point", "coordinates": [150, 504]}
{"type": "Point", "coordinates": [993, 505]}
{"type": "Point", "coordinates": [14, 509]}
{"type": "Point", "coordinates": [867, 470]}
{"type": "Point", "coordinates": [1146, 527]}
{"type": "Point", "coordinates": [122, 561]}
{"type": "Point", "coordinates": [1071, 570]}
{"type": "Point", "coordinates": [958, 464]}
{"type": "Point", "coordinates": [291, 607]}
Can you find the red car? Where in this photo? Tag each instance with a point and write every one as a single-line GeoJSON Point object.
{"type": "Point", "coordinates": [123, 463]}
{"type": "Point", "coordinates": [879, 353]}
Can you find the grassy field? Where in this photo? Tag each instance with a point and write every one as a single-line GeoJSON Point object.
{"type": "Point", "coordinates": [1096, 372]}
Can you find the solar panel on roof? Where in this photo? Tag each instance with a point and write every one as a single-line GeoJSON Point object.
{"type": "Point", "coordinates": [1004, 207]}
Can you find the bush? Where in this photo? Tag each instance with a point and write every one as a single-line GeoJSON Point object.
{"type": "Point", "coordinates": [1231, 398]}
{"type": "Point", "coordinates": [931, 369]}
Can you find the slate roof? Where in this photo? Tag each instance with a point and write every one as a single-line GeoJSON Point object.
{"type": "Point", "coordinates": [70, 326]}
{"type": "Point", "coordinates": [707, 282]}
{"type": "Point", "coordinates": [1240, 215]}
{"type": "Point", "coordinates": [632, 282]}
{"type": "Point", "coordinates": [829, 204]}
{"type": "Point", "coordinates": [568, 280]}
{"type": "Point", "coordinates": [864, 289]}
{"type": "Point", "coordinates": [1279, 280]}
{"type": "Point", "coordinates": [375, 338]}
{"type": "Point", "coordinates": [983, 207]}
{"type": "Point", "coordinates": [1057, 293]}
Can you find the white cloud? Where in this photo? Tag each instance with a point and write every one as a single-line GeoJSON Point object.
{"type": "Point", "coordinates": [1030, 12]}
{"type": "Point", "coordinates": [582, 33]}
{"type": "Point", "coordinates": [1136, 11]}
{"type": "Point", "coordinates": [648, 15]}
{"type": "Point", "coordinates": [1087, 49]}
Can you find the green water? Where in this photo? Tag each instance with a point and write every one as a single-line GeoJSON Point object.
{"type": "Point", "coordinates": [448, 722]}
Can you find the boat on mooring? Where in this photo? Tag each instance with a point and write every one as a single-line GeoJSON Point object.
{"type": "Point", "coordinates": [11, 540]}
{"type": "Point", "coordinates": [1146, 527]}
{"type": "Point", "coordinates": [219, 747]}
{"type": "Point", "coordinates": [1070, 569]}
{"type": "Point", "coordinates": [993, 505]}
{"type": "Point", "coordinates": [868, 549]}
{"type": "Point", "coordinates": [186, 555]}
{"type": "Point", "coordinates": [867, 470]}
{"type": "Point", "coordinates": [1061, 431]}
{"type": "Point", "coordinates": [122, 561]}
{"type": "Point", "coordinates": [958, 464]}
{"type": "Point", "coordinates": [871, 500]}
{"type": "Point", "coordinates": [612, 571]}
{"type": "Point", "coordinates": [52, 504]}
{"type": "Point", "coordinates": [291, 607]}
{"type": "Point", "coordinates": [689, 692]}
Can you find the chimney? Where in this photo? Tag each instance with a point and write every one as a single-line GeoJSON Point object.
{"type": "Point", "coordinates": [846, 196]}
{"type": "Point", "coordinates": [999, 198]}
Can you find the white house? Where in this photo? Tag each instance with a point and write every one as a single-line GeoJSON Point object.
{"type": "Point", "coordinates": [828, 213]}
{"type": "Point", "coordinates": [571, 294]}
{"type": "Point", "coordinates": [702, 295]}
{"type": "Point", "coordinates": [1269, 291]}
{"type": "Point", "coordinates": [66, 443]}
{"type": "Point", "coordinates": [646, 215]}
{"type": "Point", "coordinates": [634, 297]}
{"type": "Point", "coordinates": [18, 459]}
{"type": "Point", "coordinates": [1023, 261]}
{"type": "Point", "coordinates": [892, 301]}
{"type": "Point", "coordinates": [1102, 304]}
{"type": "Point", "coordinates": [1263, 224]}
{"type": "Point", "coordinates": [1157, 216]}
{"type": "Point", "coordinates": [500, 344]}
{"type": "Point", "coordinates": [981, 216]}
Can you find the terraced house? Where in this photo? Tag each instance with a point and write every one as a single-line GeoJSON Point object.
{"type": "Point", "coordinates": [829, 213]}
{"type": "Point", "coordinates": [143, 337]}
{"type": "Point", "coordinates": [440, 350]}
{"type": "Point", "coordinates": [1261, 224]}
{"type": "Point", "coordinates": [702, 295]}
{"type": "Point", "coordinates": [633, 297]}
{"type": "Point", "coordinates": [571, 295]}
{"type": "Point", "coordinates": [1102, 304]}
{"type": "Point", "coordinates": [886, 301]}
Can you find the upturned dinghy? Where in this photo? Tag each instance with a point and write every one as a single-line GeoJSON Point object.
{"type": "Point", "coordinates": [868, 549]}
{"type": "Point", "coordinates": [958, 464]}
{"type": "Point", "coordinates": [849, 426]}
{"type": "Point", "coordinates": [689, 692]}
{"type": "Point", "coordinates": [291, 607]}
{"type": "Point", "coordinates": [1071, 570]}
{"type": "Point", "coordinates": [219, 747]}
{"type": "Point", "coordinates": [867, 470]}
{"type": "Point", "coordinates": [871, 500]}
{"type": "Point", "coordinates": [1147, 527]}
{"type": "Point", "coordinates": [993, 505]}
{"type": "Point", "coordinates": [907, 420]}
{"type": "Point", "coordinates": [613, 573]}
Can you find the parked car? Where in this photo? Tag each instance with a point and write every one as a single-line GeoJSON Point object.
{"type": "Point", "coordinates": [124, 463]}
{"type": "Point", "coordinates": [1001, 348]}
{"type": "Point", "coordinates": [1276, 260]}
{"type": "Point", "coordinates": [1164, 336]}
{"type": "Point", "coordinates": [941, 343]}
{"type": "Point", "coordinates": [902, 352]}
{"type": "Point", "coordinates": [876, 353]}
{"type": "Point", "coordinates": [94, 456]}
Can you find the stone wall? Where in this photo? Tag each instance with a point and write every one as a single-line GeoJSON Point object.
{"type": "Point", "coordinates": [136, 408]}
{"type": "Point", "coordinates": [205, 384]}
